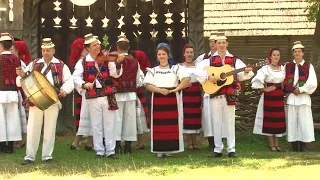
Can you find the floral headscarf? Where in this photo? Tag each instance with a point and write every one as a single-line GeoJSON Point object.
{"type": "Point", "coordinates": [76, 48]}
{"type": "Point", "coordinates": [170, 61]}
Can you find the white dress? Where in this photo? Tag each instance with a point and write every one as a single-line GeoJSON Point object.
{"type": "Point", "coordinates": [265, 75]}
{"type": "Point", "coordinates": [160, 77]}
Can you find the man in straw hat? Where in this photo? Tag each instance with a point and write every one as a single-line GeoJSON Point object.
{"type": "Point", "coordinates": [130, 80]}
{"type": "Point", "coordinates": [10, 125]}
{"type": "Point", "coordinates": [93, 78]}
{"type": "Point", "coordinates": [213, 48]}
{"type": "Point", "coordinates": [299, 83]}
{"type": "Point", "coordinates": [221, 105]}
{"type": "Point", "coordinates": [58, 74]}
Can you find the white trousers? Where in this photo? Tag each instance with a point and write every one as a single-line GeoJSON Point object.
{"type": "Point", "coordinates": [10, 124]}
{"type": "Point", "coordinates": [37, 118]}
{"type": "Point", "coordinates": [126, 123]}
{"type": "Point", "coordinates": [141, 119]}
{"type": "Point", "coordinates": [103, 125]}
{"type": "Point", "coordinates": [224, 123]}
{"type": "Point", "coordinates": [300, 123]}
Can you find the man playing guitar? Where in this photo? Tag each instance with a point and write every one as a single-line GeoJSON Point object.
{"type": "Point", "coordinates": [221, 105]}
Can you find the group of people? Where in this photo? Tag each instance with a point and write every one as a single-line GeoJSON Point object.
{"type": "Point", "coordinates": [111, 106]}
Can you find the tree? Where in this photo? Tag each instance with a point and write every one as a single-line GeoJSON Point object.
{"type": "Point", "coordinates": [313, 10]}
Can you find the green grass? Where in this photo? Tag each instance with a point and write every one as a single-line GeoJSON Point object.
{"type": "Point", "coordinates": [255, 161]}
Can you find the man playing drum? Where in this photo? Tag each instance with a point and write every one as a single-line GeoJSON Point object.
{"type": "Point", "coordinates": [10, 126]}
{"type": "Point", "coordinates": [59, 75]}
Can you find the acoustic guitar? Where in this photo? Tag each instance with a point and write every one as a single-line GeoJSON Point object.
{"type": "Point", "coordinates": [226, 75]}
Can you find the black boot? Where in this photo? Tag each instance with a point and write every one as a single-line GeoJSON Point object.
{"type": "Point", "coordinates": [302, 146]}
{"type": "Point", "coordinates": [295, 146]}
{"type": "Point", "coordinates": [118, 149]}
{"type": "Point", "coordinates": [3, 147]}
{"type": "Point", "coordinates": [127, 147]}
{"type": "Point", "coordinates": [10, 147]}
{"type": "Point", "coordinates": [211, 142]}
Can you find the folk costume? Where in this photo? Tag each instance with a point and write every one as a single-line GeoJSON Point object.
{"type": "Point", "coordinates": [10, 124]}
{"type": "Point", "coordinates": [59, 75]}
{"type": "Point", "coordinates": [142, 106]}
{"type": "Point", "coordinates": [191, 101]}
{"type": "Point", "coordinates": [83, 124]}
{"type": "Point", "coordinates": [300, 127]}
{"type": "Point", "coordinates": [166, 121]}
{"type": "Point", "coordinates": [209, 54]}
{"type": "Point", "coordinates": [126, 117]}
{"type": "Point", "coordinates": [220, 107]}
{"type": "Point", "coordinates": [101, 100]}
{"type": "Point", "coordinates": [270, 116]}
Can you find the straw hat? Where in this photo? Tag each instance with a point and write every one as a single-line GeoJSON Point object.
{"type": "Point", "coordinates": [47, 43]}
{"type": "Point", "coordinates": [213, 36]}
{"type": "Point", "coordinates": [89, 39]}
{"type": "Point", "coordinates": [221, 36]}
{"type": "Point", "coordinates": [5, 37]}
{"type": "Point", "coordinates": [123, 39]}
{"type": "Point", "coordinates": [97, 38]}
{"type": "Point", "coordinates": [297, 45]}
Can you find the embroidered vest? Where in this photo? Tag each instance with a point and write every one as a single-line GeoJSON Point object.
{"type": "Point", "coordinates": [231, 91]}
{"type": "Point", "coordinates": [128, 80]}
{"type": "Point", "coordinates": [290, 71]}
{"type": "Point", "coordinates": [8, 65]}
{"type": "Point", "coordinates": [206, 56]}
{"type": "Point", "coordinates": [56, 70]}
{"type": "Point", "coordinates": [91, 73]}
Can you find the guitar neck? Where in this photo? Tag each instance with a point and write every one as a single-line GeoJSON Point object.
{"type": "Point", "coordinates": [235, 71]}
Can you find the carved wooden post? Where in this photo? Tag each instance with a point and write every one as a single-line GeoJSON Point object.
{"type": "Point", "coordinates": [196, 21]}
{"type": "Point", "coordinates": [31, 26]}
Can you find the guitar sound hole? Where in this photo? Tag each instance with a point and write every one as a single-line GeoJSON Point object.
{"type": "Point", "coordinates": [223, 76]}
{"type": "Point", "coordinates": [221, 82]}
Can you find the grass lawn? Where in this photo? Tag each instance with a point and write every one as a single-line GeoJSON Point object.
{"type": "Point", "coordinates": [255, 161]}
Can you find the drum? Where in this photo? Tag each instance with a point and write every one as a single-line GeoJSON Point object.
{"type": "Point", "coordinates": [39, 90]}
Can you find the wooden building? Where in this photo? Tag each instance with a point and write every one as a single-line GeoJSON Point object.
{"type": "Point", "coordinates": [254, 26]}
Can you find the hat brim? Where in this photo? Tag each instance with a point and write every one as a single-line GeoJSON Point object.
{"type": "Point", "coordinates": [91, 40]}
{"type": "Point", "coordinates": [297, 46]}
{"type": "Point", "coordinates": [47, 46]}
{"type": "Point", "coordinates": [5, 38]}
{"type": "Point", "coordinates": [123, 40]}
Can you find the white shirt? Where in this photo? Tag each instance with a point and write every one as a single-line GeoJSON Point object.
{"type": "Point", "coordinates": [200, 58]}
{"type": "Point", "coordinates": [67, 81]}
{"type": "Point", "coordinates": [8, 96]}
{"type": "Point", "coordinates": [267, 75]}
{"type": "Point", "coordinates": [202, 75]}
{"type": "Point", "coordinates": [308, 88]}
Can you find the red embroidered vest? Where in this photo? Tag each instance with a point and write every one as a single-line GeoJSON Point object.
{"type": "Point", "coordinates": [128, 80]}
{"type": "Point", "coordinates": [231, 91]}
{"type": "Point", "coordinates": [56, 70]}
{"type": "Point", "coordinates": [8, 65]}
{"type": "Point", "coordinates": [91, 73]}
{"type": "Point", "coordinates": [290, 71]}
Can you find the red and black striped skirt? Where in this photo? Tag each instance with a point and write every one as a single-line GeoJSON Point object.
{"type": "Point", "coordinates": [78, 109]}
{"type": "Point", "coordinates": [273, 111]}
{"type": "Point", "coordinates": [165, 123]}
{"type": "Point", "coordinates": [143, 101]}
{"type": "Point", "coordinates": [191, 97]}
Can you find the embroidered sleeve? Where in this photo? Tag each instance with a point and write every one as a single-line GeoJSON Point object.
{"type": "Point", "coordinates": [149, 78]}
{"type": "Point", "coordinates": [258, 80]}
{"type": "Point", "coordinates": [242, 76]}
{"type": "Point", "coordinates": [181, 72]}
{"type": "Point", "coordinates": [311, 84]}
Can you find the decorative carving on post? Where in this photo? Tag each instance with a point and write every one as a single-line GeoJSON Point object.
{"type": "Point", "coordinates": [196, 21]}
{"type": "Point", "coordinates": [31, 26]}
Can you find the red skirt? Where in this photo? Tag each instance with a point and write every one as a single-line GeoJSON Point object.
{"type": "Point", "coordinates": [274, 121]}
{"type": "Point", "coordinates": [165, 123]}
{"type": "Point", "coordinates": [143, 101]}
{"type": "Point", "coordinates": [191, 97]}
